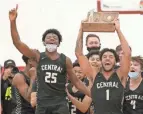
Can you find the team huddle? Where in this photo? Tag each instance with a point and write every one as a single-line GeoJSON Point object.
{"type": "Point", "coordinates": [103, 81]}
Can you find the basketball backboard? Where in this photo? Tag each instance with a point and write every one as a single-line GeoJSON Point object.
{"type": "Point", "coordinates": [121, 6]}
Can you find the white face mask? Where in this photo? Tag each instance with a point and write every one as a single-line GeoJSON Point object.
{"type": "Point", "coordinates": [133, 75]}
{"type": "Point", "coordinates": [51, 47]}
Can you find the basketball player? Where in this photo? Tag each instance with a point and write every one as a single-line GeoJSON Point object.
{"type": "Point", "coordinates": [133, 101]}
{"type": "Point", "coordinates": [108, 86]}
{"type": "Point", "coordinates": [84, 105]}
{"type": "Point", "coordinates": [52, 70]}
{"type": "Point", "coordinates": [73, 91]}
{"type": "Point", "coordinates": [22, 87]}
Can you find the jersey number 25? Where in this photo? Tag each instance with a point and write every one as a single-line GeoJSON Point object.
{"type": "Point", "coordinates": [51, 77]}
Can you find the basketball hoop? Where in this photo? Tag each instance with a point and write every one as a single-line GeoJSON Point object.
{"type": "Point", "coordinates": [138, 11]}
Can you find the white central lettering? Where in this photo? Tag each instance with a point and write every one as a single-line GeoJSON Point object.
{"type": "Point", "coordinates": [107, 84]}
{"type": "Point", "coordinates": [51, 68]}
{"type": "Point", "coordinates": [134, 97]}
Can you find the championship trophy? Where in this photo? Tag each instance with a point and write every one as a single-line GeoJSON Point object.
{"type": "Point", "coordinates": [100, 21]}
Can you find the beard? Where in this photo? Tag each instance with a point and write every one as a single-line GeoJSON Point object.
{"type": "Point", "coordinates": [93, 48]}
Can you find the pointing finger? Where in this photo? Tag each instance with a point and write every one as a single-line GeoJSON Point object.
{"type": "Point", "coordinates": [16, 7]}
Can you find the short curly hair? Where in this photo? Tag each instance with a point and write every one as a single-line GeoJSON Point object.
{"type": "Point", "coordinates": [25, 59]}
{"type": "Point", "coordinates": [76, 64]}
{"type": "Point", "coordinates": [138, 59]}
{"type": "Point", "coordinates": [54, 31]}
{"type": "Point", "coordinates": [109, 50]}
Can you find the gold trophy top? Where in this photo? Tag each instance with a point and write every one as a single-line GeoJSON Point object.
{"type": "Point", "coordinates": [96, 17]}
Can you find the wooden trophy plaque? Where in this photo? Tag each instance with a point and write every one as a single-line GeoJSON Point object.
{"type": "Point", "coordinates": [100, 22]}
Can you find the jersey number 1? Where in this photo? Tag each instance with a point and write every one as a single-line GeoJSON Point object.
{"type": "Point", "coordinates": [107, 94]}
{"type": "Point", "coordinates": [51, 77]}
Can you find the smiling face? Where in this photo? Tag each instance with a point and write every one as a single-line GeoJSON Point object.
{"type": "Point", "coordinates": [95, 61]}
{"type": "Point", "coordinates": [135, 66]}
{"type": "Point", "coordinates": [51, 39]}
{"type": "Point", "coordinates": [78, 72]}
{"type": "Point", "coordinates": [108, 61]}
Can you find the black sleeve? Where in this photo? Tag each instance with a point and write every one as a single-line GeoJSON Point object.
{"type": "Point", "coordinates": [3, 89]}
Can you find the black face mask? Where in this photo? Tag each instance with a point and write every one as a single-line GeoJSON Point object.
{"type": "Point", "coordinates": [93, 48]}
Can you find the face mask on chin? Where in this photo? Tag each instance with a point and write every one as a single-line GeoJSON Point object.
{"type": "Point", "coordinates": [51, 47]}
{"type": "Point", "coordinates": [93, 48]}
{"type": "Point", "coordinates": [133, 75]}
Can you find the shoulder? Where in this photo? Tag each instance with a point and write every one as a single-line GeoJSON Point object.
{"type": "Point", "coordinates": [62, 56]}
{"type": "Point", "coordinates": [36, 53]}
{"type": "Point", "coordinates": [67, 58]}
{"type": "Point", "coordinates": [3, 81]}
{"type": "Point", "coordinates": [18, 79]}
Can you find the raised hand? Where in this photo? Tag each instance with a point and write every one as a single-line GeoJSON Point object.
{"type": "Point", "coordinates": [117, 24]}
{"type": "Point", "coordinates": [85, 20]}
{"type": "Point", "coordinates": [7, 73]}
{"type": "Point", "coordinates": [32, 73]}
{"type": "Point", "coordinates": [13, 13]}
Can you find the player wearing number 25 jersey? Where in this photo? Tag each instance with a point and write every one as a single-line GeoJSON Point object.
{"type": "Point", "coordinates": [108, 84]}
{"type": "Point", "coordinates": [52, 70]}
{"type": "Point", "coordinates": [133, 103]}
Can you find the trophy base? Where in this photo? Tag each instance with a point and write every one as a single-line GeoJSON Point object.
{"type": "Point", "coordinates": [98, 27]}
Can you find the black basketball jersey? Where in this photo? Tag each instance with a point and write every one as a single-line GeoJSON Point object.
{"type": "Point", "coordinates": [79, 96]}
{"type": "Point", "coordinates": [133, 100]}
{"type": "Point", "coordinates": [51, 79]}
{"type": "Point", "coordinates": [107, 95]}
{"type": "Point", "coordinates": [22, 106]}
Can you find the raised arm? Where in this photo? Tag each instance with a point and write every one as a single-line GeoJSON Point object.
{"type": "Point", "coordinates": [22, 47]}
{"type": "Point", "coordinates": [125, 60]}
{"type": "Point", "coordinates": [75, 81]}
{"type": "Point", "coordinates": [82, 59]}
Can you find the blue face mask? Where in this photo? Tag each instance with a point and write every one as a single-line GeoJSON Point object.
{"type": "Point", "coordinates": [133, 75]}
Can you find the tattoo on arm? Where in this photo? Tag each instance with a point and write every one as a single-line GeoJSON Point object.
{"type": "Point", "coordinates": [79, 42]}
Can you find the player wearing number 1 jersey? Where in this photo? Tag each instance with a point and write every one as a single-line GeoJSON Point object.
{"type": "Point", "coordinates": [133, 103]}
{"type": "Point", "coordinates": [52, 70]}
{"type": "Point", "coordinates": [108, 84]}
